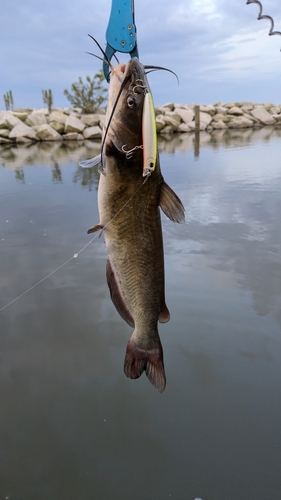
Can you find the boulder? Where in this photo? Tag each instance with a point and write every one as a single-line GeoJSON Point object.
{"type": "Point", "coordinates": [171, 122]}
{"type": "Point", "coordinates": [8, 120]}
{"type": "Point", "coordinates": [169, 105]}
{"type": "Point", "coordinates": [21, 130]}
{"type": "Point", "coordinates": [186, 115]}
{"type": "Point", "coordinates": [167, 130]}
{"type": "Point", "coordinates": [59, 127]}
{"type": "Point", "coordinates": [22, 115]}
{"type": "Point", "coordinates": [4, 132]}
{"type": "Point", "coordinates": [263, 115]}
{"type": "Point", "coordinates": [235, 111]}
{"type": "Point", "coordinates": [219, 124]}
{"type": "Point", "coordinates": [71, 136]}
{"type": "Point", "coordinates": [211, 110]}
{"type": "Point", "coordinates": [92, 133]}
{"type": "Point", "coordinates": [221, 110]}
{"type": "Point", "coordinates": [35, 119]}
{"type": "Point", "coordinates": [183, 127]}
{"type": "Point", "coordinates": [159, 123]}
{"type": "Point", "coordinates": [91, 120]}
{"type": "Point", "coordinates": [57, 116]}
{"type": "Point", "coordinates": [205, 119]}
{"type": "Point", "coordinates": [240, 122]}
{"type": "Point", "coordinates": [47, 133]}
{"type": "Point", "coordinates": [74, 124]}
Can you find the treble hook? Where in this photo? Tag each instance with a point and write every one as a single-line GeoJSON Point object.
{"type": "Point", "coordinates": [129, 153]}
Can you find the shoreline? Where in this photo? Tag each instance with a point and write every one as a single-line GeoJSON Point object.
{"type": "Point", "coordinates": [24, 125]}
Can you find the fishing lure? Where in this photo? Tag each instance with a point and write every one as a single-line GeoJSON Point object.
{"type": "Point", "coordinates": [149, 135]}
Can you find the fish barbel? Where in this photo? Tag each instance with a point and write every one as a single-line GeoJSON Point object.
{"type": "Point", "coordinates": [130, 219]}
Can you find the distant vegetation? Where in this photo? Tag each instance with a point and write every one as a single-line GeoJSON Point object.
{"type": "Point", "coordinates": [48, 99]}
{"type": "Point", "coordinates": [89, 95]}
{"type": "Point", "coordinates": [8, 100]}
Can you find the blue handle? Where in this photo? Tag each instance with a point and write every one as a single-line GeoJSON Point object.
{"type": "Point", "coordinates": [121, 29]}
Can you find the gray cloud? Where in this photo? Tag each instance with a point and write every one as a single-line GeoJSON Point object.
{"type": "Point", "coordinates": [219, 50]}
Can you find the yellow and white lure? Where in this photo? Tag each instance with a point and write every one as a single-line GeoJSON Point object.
{"type": "Point", "coordinates": [149, 136]}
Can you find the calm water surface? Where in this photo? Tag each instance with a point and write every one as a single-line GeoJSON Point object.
{"type": "Point", "coordinates": [72, 425]}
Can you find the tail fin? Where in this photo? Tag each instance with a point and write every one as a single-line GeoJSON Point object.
{"type": "Point", "coordinates": [138, 360]}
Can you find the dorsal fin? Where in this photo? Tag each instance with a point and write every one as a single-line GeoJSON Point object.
{"type": "Point", "coordinates": [171, 204]}
{"type": "Point", "coordinates": [116, 297]}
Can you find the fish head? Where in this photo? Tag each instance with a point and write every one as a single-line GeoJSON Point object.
{"type": "Point", "coordinates": [128, 86]}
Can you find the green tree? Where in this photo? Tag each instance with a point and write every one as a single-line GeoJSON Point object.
{"type": "Point", "coordinates": [89, 95]}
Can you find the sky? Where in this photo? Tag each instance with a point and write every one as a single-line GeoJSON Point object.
{"type": "Point", "coordinates": [218, 48]}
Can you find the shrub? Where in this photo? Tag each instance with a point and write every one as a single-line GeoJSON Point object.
{"type": "Point", "coordinates": [48, 99]}
{"type": "Point", "coordinates": [89, 95]}
{"type": "Point", "coordinates": [8, 100]}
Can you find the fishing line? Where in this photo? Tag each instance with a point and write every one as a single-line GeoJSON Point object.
{"type": "Point", "coordinates": [74, 255]}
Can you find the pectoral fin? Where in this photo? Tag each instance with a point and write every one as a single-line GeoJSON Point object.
{"type": "Point", "coordinates": [92, 162]}
{"type": "Point", "coordinates": [93, 229]}
{"type": "Point", "coordinates": [116, 296]}
{"type": "Point", "coordinates": [171, 204]}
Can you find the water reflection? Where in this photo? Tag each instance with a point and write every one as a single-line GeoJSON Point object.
{"type": "Point", "coordinates": [71, 422]}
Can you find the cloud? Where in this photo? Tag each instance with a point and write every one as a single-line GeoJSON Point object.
{"type": "Point", "coordinates": [213, 45]}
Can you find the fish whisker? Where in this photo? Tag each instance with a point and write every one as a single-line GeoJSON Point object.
{"type": "Point", "coordinates": [156, 68]}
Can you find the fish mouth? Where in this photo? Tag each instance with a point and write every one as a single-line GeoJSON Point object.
{"type": "Point", "coordinates": [134, 72]}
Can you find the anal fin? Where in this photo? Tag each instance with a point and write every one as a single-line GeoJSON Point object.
{"type": "Point", "coordinates": [116, 297]}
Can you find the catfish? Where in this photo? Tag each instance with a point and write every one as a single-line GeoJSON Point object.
{"type": "Point", "coordinates": [131, 190]}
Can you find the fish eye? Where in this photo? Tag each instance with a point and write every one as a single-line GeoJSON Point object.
{"type": "Point", "coordinates": [131, 102]}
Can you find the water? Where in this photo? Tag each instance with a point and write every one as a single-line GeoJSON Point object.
{"type": "Point", "coordinates": [72, 425]}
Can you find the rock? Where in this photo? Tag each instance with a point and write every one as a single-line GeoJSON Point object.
{"type": "Point", "coordinates": [247, 107]}
{"type": "Point", "coordinates": [169, 105]}
{"type": "Point", "coordinates": [23, 131]}
{"type": "Point", "coordinates": [3, 140]}
{"type": "Point", "coordinates": [41, 111]}
{"type": "Point", "coordinates": [221, 110]}
{"type": "Point", "coordinates": [183, 127]}
{"type": "Point", "coordinates": [59, 127]}
{"type": "Point", "coordinates": [219, 117]}
{"type": "Point", "coordinates": [90, 120]}
{"type": "Point", "coordinates": [57, 116]}
{"type": "Point", "coordinates": [171, 122]}
{"type": "Point", "coordinates": [235, 111]}
{"type": "Point", "coordinates": [23, 110]}
{"type": "Point", "coordinates": [219, 124]}
{"type": "Point", "coordinates": [263, 115]}
{"type": "Point", "coordinates": [275, 110]}
{"type": "Point", "coordinates": [74, 124]}
{"type": "Point", "coordinates": [8, 120]}
{"type": "Point", "coordinates": [47, 133]}
{"type": "Point", "coordinates": [167, 130]}
{"type": "Point", "coordinates": [71, 136]}
{"type": "Point", "coordinates": [35, 119]}
{"type": "Point", "coordinates": [174, 115]}
{"type": "Point", "coordinates": [240, 122]}
{"type": "Point", "coordinates": [186, 115]}
{"type": "Point", "coordinates": [205, 118]}
{"type": "Point", "coordinates": [229, 105]}
{"type": "Point", "coordinates": [92, 133]}
{"type": "Point", "coordinates": [211, 110]}
{"type": "Point", "coordinates": [22, 115]}
{"type": "Point", "coordinates": [4, 132]}
{"type": "Point", "coordinates": [159, 123]}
